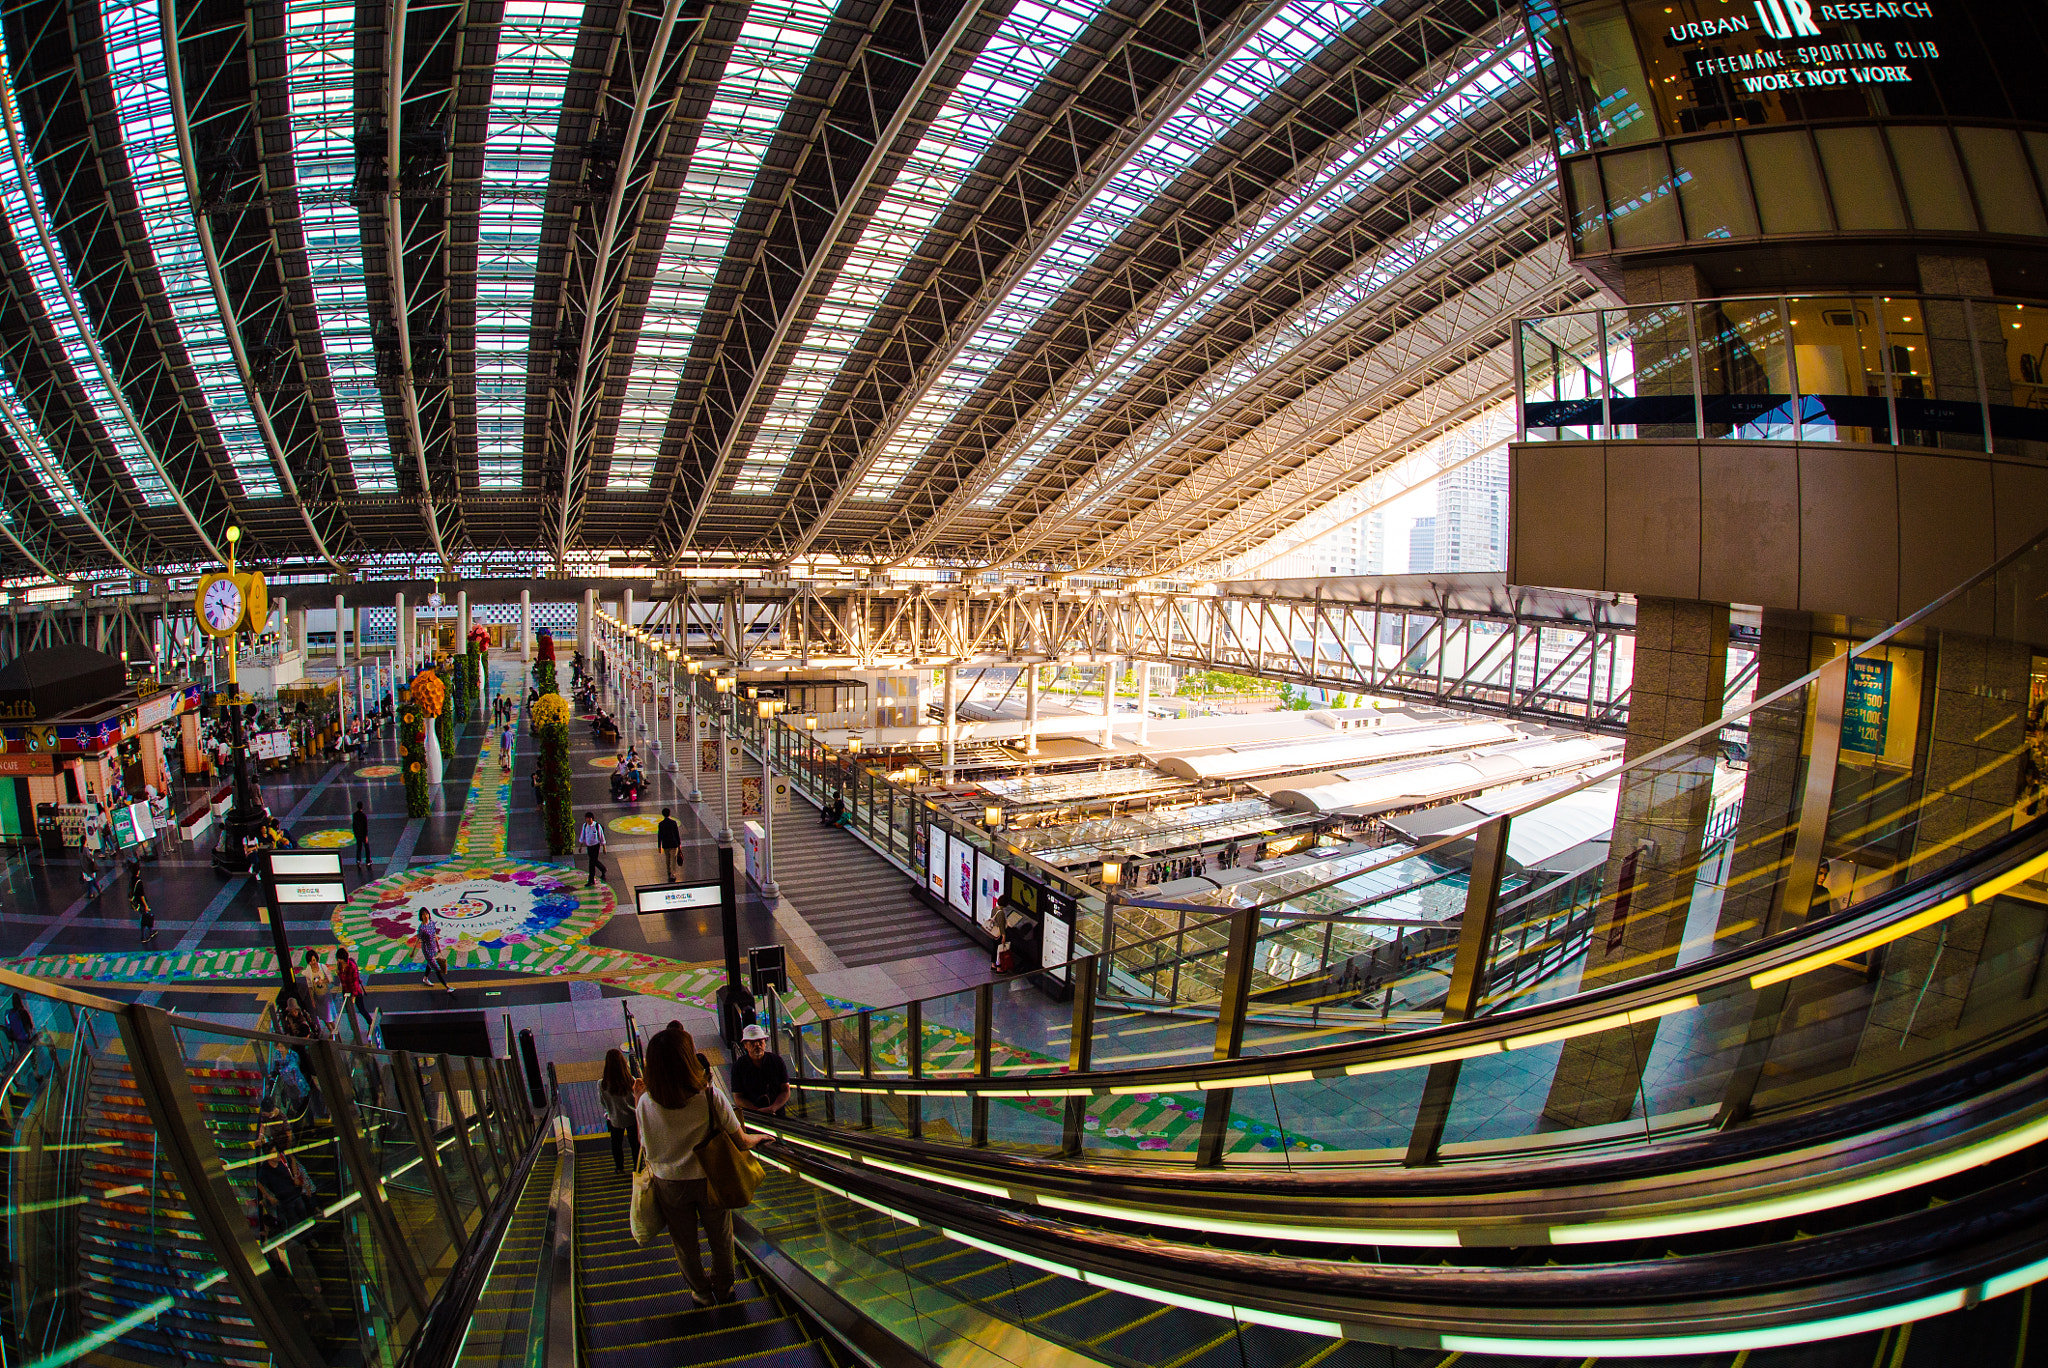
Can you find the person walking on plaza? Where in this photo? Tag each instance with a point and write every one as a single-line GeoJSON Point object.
{"type": "Point", "coordinates": [348, 979]}
{"type": "Point", "coordinates": [668, 837]}
{"type": "Point", "coordinates": [430, 950]}
{"type": "Point", "coordinates": [360, 823]}
{"type": "Point", "coordinates": [681, 1104]}
{"type": "Point", "coordinates": [505, 750]}
{"type": "Point", "coordinates": [591, 838]}
{"type": "Point", "coordinates": [760, 1080]}
{"type": "Point", "coordinates": [617, 1094]}
{"type": "Point", "coordinates": [138, 903]}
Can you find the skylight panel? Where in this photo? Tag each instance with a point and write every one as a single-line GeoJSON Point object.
{"type": "Point", "coordinates": [320, 43]}
{"type": "Point", "coordinates": [21, 430]}
{"type": "Point", "coordinates": [1269, 57]}
{"type": "Point", "coordinates": [21, 199]}
{"type": "Point", "coordinates": [142, 102]}
{"type": "Point", "coordinates": [1334, 187]}
{"type": "Point", "coordinates": [759, 78]}
{"type": "Point", "coordinates": [536, 42]}
{"type": "Point", "coordinates": [1027, 44]}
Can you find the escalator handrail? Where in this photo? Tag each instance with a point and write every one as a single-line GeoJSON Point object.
{"type": "Point", "coordinates": [1604, 773]}
{"type": "Point", "coordinates": [1898, 1268]}
{"type": "Point", "coordinates": [438, 1342]}
{"type": "Point", "coordinates": [1926, 901]}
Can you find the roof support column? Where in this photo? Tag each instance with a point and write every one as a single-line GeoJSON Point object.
{"type": "Point", "coordinates": [952, 697]}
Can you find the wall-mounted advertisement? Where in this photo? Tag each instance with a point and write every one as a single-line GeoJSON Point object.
{"type": "Point", "coordinates": [960, 883]}
{"type": "Point", "coordinates": [988, 889]}
{"type": "Point", "coordinates": [920, 847]}
{"type": "Point", "coordinates": [939, 858]}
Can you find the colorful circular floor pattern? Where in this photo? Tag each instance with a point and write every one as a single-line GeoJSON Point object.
{"type": "Point", "coordinates": [376, 771]}
{"type": "Point", "coordinates": [605, 762]}
{"type": "Point", "coordinates": [331, 839]}
{"type": "Point", "coordinates": [634, 825]}
{"type": "Point", "coordinates": [486, 904]}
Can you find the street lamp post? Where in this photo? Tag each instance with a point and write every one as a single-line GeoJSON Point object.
{"type": "Point", "coordinates": [766, 711]}
{"type": "Point", "coordinates": [724, 685]}
{"type": "Point", "coordinates": [1112, 879]}
{"type": "Point", "coordinates": [690, 679]}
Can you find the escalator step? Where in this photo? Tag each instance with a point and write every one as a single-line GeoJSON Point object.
{"type": "Point", "coordinates": [711, 1335]}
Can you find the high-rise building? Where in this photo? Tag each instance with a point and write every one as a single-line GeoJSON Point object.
{"type": "Point", "coordinates": [1372, 550]}
{"type": "Point", "coordinates": [1422, 558]}
{"type": "Point", "coordinates": [1472, 513]}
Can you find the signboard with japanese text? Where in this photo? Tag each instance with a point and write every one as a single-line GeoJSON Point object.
{"type": "Point", "coordinates": [1866, 711]}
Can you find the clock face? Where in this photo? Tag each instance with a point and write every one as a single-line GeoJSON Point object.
{"type": "Point", "coordinates": [222, 605]}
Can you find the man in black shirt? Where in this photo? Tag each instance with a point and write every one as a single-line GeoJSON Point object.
{"type": "Point", "coordinates": [360, 825]}
{"type": "Point", "coordinates": [669, 838]}
{"type": "Point", "coordinates": [760, 1080]}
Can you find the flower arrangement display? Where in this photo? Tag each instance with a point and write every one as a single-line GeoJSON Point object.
{"type": "Point", "coordinates": [544, 663]}
{"type": "Point", "coordinates": [432, 696]}
{"type": "Point", "coordinates": [551, 723]}
{"type": "Point", "coordinates": [412, 753]}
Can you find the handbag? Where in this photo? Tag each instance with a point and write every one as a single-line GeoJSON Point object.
{"type": "Point", "coordinates": [730, 1173]}
{"type": "Point", "coordinates": [646, 1219]}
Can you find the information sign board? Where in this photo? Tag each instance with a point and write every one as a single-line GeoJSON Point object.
{"type": "Point", "coordinates": [651, 898]}
{"type": "Point", "coordinates": [1866, 711]}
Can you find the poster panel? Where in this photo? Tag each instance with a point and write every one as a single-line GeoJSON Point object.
{"type": "Point", "coordinates": [960, 886]}
{"type": "Point", "coordinates": [938, 862]}
{"type": "Point", "coordinates": [988, 888]}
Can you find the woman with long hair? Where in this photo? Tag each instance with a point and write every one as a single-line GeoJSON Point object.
{"type": "Point", "coordinates": [680, 1106]}
{"type": "Point", "coordinates": [616, 1093]}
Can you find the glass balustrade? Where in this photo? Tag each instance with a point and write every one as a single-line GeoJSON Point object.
{"type": "Point", "coordinates": [179, 1188]}
{"type": "Point", "coordinates": [1865, 766]}
{"type": "Point", "coordinates": [1906, 370]}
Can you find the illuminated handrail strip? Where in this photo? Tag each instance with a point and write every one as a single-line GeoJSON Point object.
{"type": "Point", "coordinates": [530, 78]}
{"type": "Point", "coordinates": [142, 100]}
{"type": "Point", "coordinates": [1267, 60]}
{"type": "Point", "coordinates": [1031, 40]}
{"type": "Point", "coordinates": [28, 216]}
{"type": "Point", "coordinates": [320, 47]}
{"type": "Point", "coordinates": [759, 79]}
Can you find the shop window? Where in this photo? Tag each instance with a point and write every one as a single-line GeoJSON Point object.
{"type": "Point", "coordinates": [1937, 196]}
{"type": "Point", "coordinates": [1712, 189]}
{"type": "Point", "coordinates": [2005, 187]}
{"type": "Point", "coordinates": [1860, 182]}
{"type": "Point", "coordinates": [1790, 197]}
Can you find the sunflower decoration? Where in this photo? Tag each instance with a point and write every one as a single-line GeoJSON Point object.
{"type": "Point", "coordinates": [415, 767]}
{"type": "Point", "coordinates": [550, 709]}
{"type": "Point", "coordinates": [430, 693]}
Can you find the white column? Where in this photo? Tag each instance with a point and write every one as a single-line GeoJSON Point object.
{"type": "Point", "coordinates": [461, 621]}
{"type": "Point", "coordinates": [690, 737]}
{"type": "Point", "coordinates": [1031, 710]}
{"type": "Point", "coordinates": [1109, 703]}
{"type": "Point", "coordinates": [626, 606]}
{"type": "Point", "coordinates": [340, 636]}
{"type": "Point", "coordinates": [297, 626]}
{"type": "Point", "coordinates": [585, 618]}
{"type": "Point", "coordinates": [1144, 669]}
{"type": "Point", "coordinates": [952, 707]}
{"type": "Point", "coordinates": [526, 626]}
{"type": "Point", "coordinates": [398, 642]}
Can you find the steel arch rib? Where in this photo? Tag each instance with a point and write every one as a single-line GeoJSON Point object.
{"type": "Point", "coordinates": [394, 264]}
{"type": "Point", "coordinates": [181, 123]}
{"type": "Point", "coordinates": [607, 240]}
{"type": "Point", "coordinates": [1225, 43]}
{"type": "Point", "coordinates": [86, 332]}
{"type": "Point", "coordinates": [1499, 38]}
{"type": "Point", "coordinates": [814, 267]}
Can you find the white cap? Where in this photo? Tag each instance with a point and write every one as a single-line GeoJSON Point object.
{"type": "Point", "coordinates": [754, 1033]}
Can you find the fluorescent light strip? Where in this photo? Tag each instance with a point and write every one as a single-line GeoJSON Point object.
{"type": "Point", "coordinates": [755, 89]}
{"type": "Point", "coordinates": [536, 42]}
{"type": "Point", "coordinates": [1267, 60]}
{"type": "Point", "coordinates": [1421, 1237]}
{"type": "Point", "coordinates": [1016, 58]}
{"type": "Point", "coordinates": [142, 102]}
{"type": "Point", "coordinates": [21, 197]}
{"type": "Point", "coordinates": [320, 41]}
{"type": "Point", "coordinates": [1983, 892]}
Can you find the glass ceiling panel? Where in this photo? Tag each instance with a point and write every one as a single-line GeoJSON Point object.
{"type": "Point", "coordinates": [762, 73]}
{"type": "Point", "coordinates": [1334, 187]}
{"type": "Point", "coordinates": [21, 199]}
{"type": "Point", "coordinates": [1022, 50]}
{"type": "Point", "coordinates": [320, 54]}
{"type": "Point", "coordinates": [142, 101]}
{"type": "Point", "coordinates": [1533, 178]}
{"type": "Point", "coordinates": [536, 42]}
{"type": "Point", "coordinates": [1271, 56]}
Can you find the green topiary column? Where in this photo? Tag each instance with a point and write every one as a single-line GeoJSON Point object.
{"type": "Point", "coordinates": [412, 752]}
{"type": "Point", "coordinates": [551, 722]}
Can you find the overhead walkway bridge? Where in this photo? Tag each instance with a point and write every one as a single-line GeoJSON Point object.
{"type": "Point", "coordinates": [1739, 1113]}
